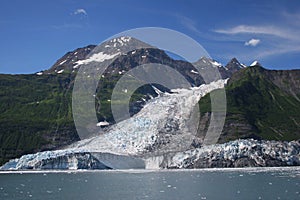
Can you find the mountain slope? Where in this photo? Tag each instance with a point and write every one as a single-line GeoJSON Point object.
{"type": "Point", "coordinates": [261, 104]}
{"type": "Point", "coordinates": [35, 114]}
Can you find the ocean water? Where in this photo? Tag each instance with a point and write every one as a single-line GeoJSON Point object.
{"type": "Point", "coordinates": [249, 183]}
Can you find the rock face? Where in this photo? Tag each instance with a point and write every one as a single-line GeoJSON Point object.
{"type": "Point", "coordinates": [238, 153]}
{"type": "Point", "coordinates": [68, 61]}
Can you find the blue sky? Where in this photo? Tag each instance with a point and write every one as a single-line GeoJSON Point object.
{"type": "Point", "coordinates": [35, 33]}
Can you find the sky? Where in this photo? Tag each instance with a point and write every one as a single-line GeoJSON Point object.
{"type": "Point", "coordinates": [36, 33]}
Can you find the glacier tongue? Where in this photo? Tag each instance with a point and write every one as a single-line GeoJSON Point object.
{"type": "Point", "coordinates": [162, 125]}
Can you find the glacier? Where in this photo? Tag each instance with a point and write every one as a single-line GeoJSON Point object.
{"type": "Point", "coordinates": [163, 120]}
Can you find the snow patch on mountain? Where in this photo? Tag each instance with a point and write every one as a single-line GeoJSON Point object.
{"type": "Point", "coordinates": [194, 72]}
{"type": "Point", "coordinates": [63, 62]}
{"type": "Point", "coordinates": [243, 65]}
{"type": "Point", "coordinates": [254, 63]}
{"type": "Point", "coordinates": [215, 63]}
{"type": "Point", "coordinates": [97, 57]}
{"type": "Point", "coordinates": [104, 123]}
{"type": "Point", "coordinates": [60, 71]}
{"type": "Point", "coordinates": [121, 41]}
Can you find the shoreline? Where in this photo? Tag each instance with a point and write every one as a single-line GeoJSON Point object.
{"type": "Point", "coordinates": [244, 169]}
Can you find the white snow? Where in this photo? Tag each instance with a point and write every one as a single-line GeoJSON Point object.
{"type": "Point", "coordinates": [62, 62]}
{"type": "Point", "coordinates": [75, 53]}
{"type": "Point", "coordinates": [195, 72]}
{"type": "Point", "coordinates": [104, 123]}
{"type": "Point", "coordinates": [121, 41]}
{"type": "Point", "coordinates": [243, 65]}
{"type": "Point", "coordinates": [60, 71]}
{"type": "Point", "coordinates": [126, 39]}
{"type": "Point", "coordinates": [254, 63]}
{"type": "Point", "coordinates": [157, 91]}
{"type": "Point", "coordinates": [144, 56]}
{"type": "Point", "coordinates": [215, 63]}
{"type": "Point", "coordinates": [97, 57]}
{"type": "Point", "coordinates": [39, 73]}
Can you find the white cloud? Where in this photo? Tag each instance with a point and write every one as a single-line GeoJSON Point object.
{"type": "Point", "coordinates": [281, 49]}
{"type": "Point", "coordinates": [280, 39]}
{"type": "Point", "coordinates": [267, 30]}
{"type": "Point", "coordinates": [253, 42]}
{"type": "Point", "coordinates": [292, 18]}
{"type": "Point", "coordinates": [188, 23]}
{"type": "Point", "coordinates": [66, 26]}
{"type": "Point", "coordinates": [80, 11]}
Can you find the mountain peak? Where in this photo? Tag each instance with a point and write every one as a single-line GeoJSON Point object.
{"type": "Point", "coordinates": [255, 63]}
{"type": "Point", "coordinates": [234, 60]}
{"type": "Point", "coordinates": [123, 40]}
{"type": "Point", "coordinates": [234, 65]}
{"type": "Point", "coordinates": [107, 50]}
{"type": "Point", "coordinates": [209, 61]}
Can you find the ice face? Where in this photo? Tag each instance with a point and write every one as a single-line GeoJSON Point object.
{"type": "Point", "coordinates": [260, 153]}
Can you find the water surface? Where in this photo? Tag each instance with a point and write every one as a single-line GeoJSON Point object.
{"type": "Point", "coordinates": [250, 183]}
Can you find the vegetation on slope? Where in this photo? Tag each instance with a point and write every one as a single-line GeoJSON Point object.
{"type": "Point", "coordinates": [35, 114]}
{"type": "Point", "coordinates": [257, 108]}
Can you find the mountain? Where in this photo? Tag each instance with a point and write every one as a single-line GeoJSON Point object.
{"type": "Point", "coordinates": [36, 109]}
{"type": "Point", "coordinates": [261, 104]}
